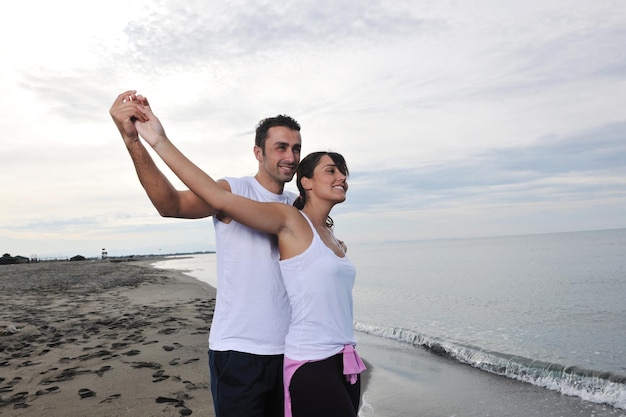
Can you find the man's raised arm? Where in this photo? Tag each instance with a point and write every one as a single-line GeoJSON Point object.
{"type": "Point", "coordinates": [127, 110]}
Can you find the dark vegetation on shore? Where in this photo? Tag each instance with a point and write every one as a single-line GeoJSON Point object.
{"type": "Point", "coordinates": [7, 259]}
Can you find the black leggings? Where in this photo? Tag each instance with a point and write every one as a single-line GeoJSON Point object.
{"type": "Point", "coordinates": [320, 389]}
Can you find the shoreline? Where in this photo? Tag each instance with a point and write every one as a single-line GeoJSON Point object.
{"type": "Point", "coordinates": [403, 380]}
{"type": "Point", "coordinates": [412, 381]}
{"type": "Point", "coordinates": [124, 338]}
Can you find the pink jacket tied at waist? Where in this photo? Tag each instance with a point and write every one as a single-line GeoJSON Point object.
{"type": "Point", "coordinates": [352, 367]}
{"type": "Point", "coordinates": [352, 364]}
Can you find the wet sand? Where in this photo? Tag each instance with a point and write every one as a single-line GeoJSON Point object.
{"type": "Point", "coordinates": [102, 338]}
{"type": "Point", "coordinates": [409, 381]}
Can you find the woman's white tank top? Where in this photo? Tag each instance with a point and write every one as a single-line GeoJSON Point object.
{"type": "Point", "coordinates": [319, 285]}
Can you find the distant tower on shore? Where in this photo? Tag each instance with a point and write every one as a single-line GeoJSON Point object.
{"type": "Point", "coordinates": [105, 254]}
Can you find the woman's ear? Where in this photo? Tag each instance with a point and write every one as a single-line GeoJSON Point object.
{"type": "Point", "coordinates": [306, 183]}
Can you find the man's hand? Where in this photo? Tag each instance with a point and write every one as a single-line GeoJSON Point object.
{"type": "Point", "coordinates": [125, 111]}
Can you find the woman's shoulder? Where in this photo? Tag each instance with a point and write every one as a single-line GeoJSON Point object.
{"type": "Point", "coordinates": [297, 235]}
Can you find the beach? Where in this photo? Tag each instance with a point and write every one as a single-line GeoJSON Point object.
{"type": "Point", "coordinates": [103, 338]}
{"type": "Point", "coordinates": [122, 338]}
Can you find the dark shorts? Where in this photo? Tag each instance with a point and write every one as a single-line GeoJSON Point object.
{"type": "Point", "coordinates": [320, 389]}
{"type": "Point", "coordinates": [246, 385]}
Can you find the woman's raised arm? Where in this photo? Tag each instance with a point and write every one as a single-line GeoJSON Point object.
{"type": "Point", "coordinates": [265, 217]}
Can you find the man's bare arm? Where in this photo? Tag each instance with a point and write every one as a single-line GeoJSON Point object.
{"type": "Point", "coordinates": [169, 202]}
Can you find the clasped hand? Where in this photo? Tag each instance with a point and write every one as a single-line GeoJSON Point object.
{"type": "Point", "coordinates": [134, 117]}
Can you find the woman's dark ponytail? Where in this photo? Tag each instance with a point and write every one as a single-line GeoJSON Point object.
{"type": "Point", "coordinates": [299, 202]}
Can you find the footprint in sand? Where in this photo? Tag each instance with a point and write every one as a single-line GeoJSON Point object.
{"type": "Point", "coordinates": [111, 398]}
{"type": "Point", "coordinates": [47, 390]}
{"type": "Point", "coordinates": [48, 370]}
{"type": "Point", "coordinates": [100, 346]}
{"type": "Point", "coordinates": [27, 363]}
{"type": "Point", "coordinates": [66, 375]}
{"type": "Point", "coordinates": [161, 400]}
{"type": "Point", "coordinates": [168, 348]}
{"type": "Point", "coordinates": [190, 385]}
{"type": "Point", "coordinates": [15, 380]}
{"type": "Point", "coordinates": [136, 337]}
{"type": "Point", "coordinates": [184, 411]}
{"type": "Point", "coordinates": [100, 372]}
{"type": "Point", "coordinates": [151, 365]}
{"type": "Point", "coordinates": [86, 393]}
{"type": "Point", "coordinates": [18, 400]}
{"type": "Point", "coordinates": [159, 376]}
{"type": "Point", "coordinates": [168, 330]}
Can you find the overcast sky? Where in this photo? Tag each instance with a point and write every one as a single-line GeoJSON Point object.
{"type": "Point", "coordinates": [458, 119]}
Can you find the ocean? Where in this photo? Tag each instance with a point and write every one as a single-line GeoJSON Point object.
{"type": "Point", "coordinates": [548, 310]}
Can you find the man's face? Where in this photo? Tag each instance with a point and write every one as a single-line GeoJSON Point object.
{"type": "Point", "coordinates": [281, 155]}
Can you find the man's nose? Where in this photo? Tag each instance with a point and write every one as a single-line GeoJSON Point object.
{"type": "Point", "coordinates": [292, 156]}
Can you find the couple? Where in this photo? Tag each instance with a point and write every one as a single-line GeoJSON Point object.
{"type": "Point", "coordinates": [291, 295]}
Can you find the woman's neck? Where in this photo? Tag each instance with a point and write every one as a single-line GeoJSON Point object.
{"type": "Point", "coordinates": [317, 216]}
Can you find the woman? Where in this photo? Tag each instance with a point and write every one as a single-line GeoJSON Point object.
{"type": "Point", "coordinates": [321, 367]}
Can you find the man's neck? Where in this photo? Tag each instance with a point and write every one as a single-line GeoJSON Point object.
{"type": "Point", "coordinates": [269, 184]}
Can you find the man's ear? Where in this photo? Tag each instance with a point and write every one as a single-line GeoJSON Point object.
{"type": "Point", "coordinates": [258, 153]}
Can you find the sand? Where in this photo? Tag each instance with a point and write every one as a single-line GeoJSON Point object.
{"type": "Point", "coordinates": [103, 338]}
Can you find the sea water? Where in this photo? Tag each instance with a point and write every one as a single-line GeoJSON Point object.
{"type": "Point", "coordinates": [546, 309]}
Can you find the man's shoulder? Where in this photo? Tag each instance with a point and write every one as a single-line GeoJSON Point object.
{"type": "Point", "coordinates": [239, 184]}
{"type": "Point", "coordinates": [249, 187]}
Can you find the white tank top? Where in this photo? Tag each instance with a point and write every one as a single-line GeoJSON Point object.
{"type": "Point", "coordinates": [319, 284]}
{"type": "Point", "coordinates": [252, 309]}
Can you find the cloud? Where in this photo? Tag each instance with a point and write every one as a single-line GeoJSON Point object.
{"type": "Point", "coordinates": [570, 58]}
{"type": "Point", "coordinates": [182, 34]}
{"type": "Point", "coordinates": [586, 166]}
{"type": "Point", "coordinates": [74, 96]}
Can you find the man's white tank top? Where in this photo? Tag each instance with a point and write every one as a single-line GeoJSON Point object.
{"type": "Point", "coordinates": [252, 309]}
{"type": "Point", "coordinates": [319, 284]}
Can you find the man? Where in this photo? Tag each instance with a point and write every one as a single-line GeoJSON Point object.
{"type": "Point", "coordinates": [251, 317]}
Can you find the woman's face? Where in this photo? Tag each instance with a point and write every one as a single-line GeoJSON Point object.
{"type": "Point", "coordinates": [328, 181]}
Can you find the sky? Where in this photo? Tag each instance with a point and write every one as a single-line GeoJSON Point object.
{"type": "Point", "coordinates": [457, 119]}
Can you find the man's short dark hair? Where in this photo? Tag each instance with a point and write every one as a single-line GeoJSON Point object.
{"type": "Point", "coordinates": [264, 126]}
